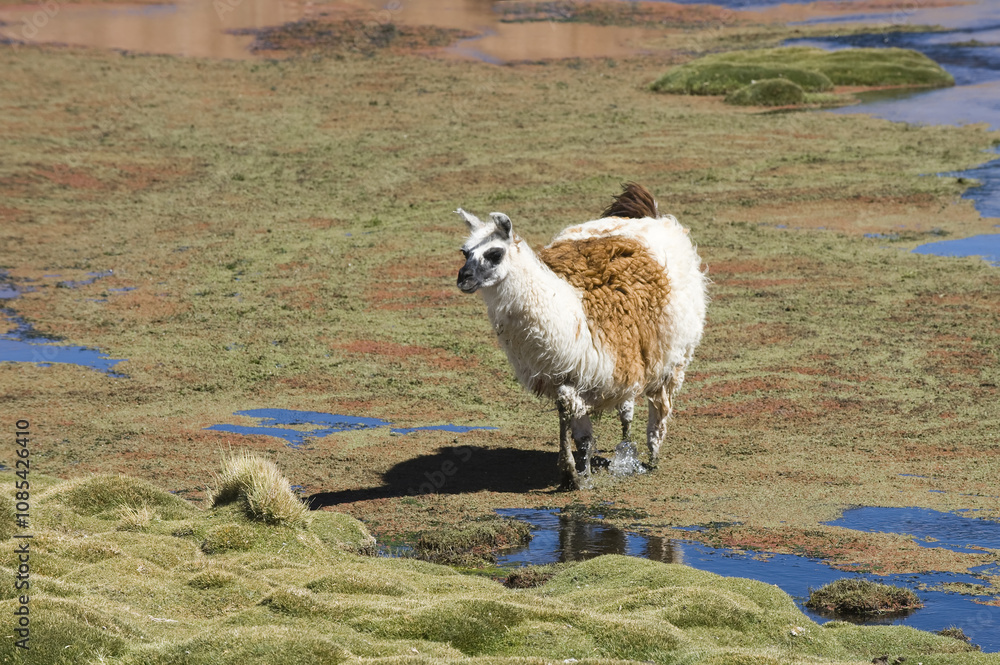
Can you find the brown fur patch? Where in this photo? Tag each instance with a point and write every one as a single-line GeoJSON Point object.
{"type": "Point", "coordinates": [624, 292]}
{"type": "Point", "coordinates": [635, 202]}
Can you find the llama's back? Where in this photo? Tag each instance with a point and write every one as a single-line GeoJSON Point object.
{"type": "Point", "coordinates": [642, 286]}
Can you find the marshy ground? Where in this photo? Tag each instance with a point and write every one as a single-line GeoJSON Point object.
{"type": "Point", "coordinates": [284, 226]}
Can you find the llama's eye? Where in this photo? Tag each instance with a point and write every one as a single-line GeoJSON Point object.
{"type": "Point", "coordinates": [465, 253]}
{"type": "Point", "coordinates": [494, 255]}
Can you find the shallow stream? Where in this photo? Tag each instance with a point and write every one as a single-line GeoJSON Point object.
{"type": "Point", "coordinates": [968, 47]}
{"type": "Point", "coordinates": [558, 537]}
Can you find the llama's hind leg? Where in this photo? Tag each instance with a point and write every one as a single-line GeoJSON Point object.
{"type": "Point", "coordinates": [656, 428]}
{"type": "Point", "coordinates": [661, 408]}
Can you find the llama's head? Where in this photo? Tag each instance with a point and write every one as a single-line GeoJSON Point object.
{"type": "Point", "coordinates": [486, 251]}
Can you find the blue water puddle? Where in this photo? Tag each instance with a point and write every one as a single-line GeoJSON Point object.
{"type": "Point", "coordinates": [558, 537]}
{"type": "Point", "coordinates": [91, 278]}
{"type": "Point", "coordinates": [24, 344]}
{"type": "Point", "coordinates": [985, 246]}
{"type": "Point", "coordinates": [320, 425]}
{"type": "Point", "coordinates": [18, 351]}
{"type": "Point", "coordinates": [930, 528]}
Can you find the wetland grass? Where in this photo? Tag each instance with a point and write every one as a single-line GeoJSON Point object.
{"type": "Point", "coordinates": [285, 228]}
{"type": "Point", "coordinates": [769, 92]}
{"type": "Point", "coordinates": [103, 592]}
{"type": "Point", "coordinates": [861, 598]}
{"type": "Point", "coordinates": [737, 74]}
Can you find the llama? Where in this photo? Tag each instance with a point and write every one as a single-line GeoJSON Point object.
{"type": "Point", "coordinates": [609, 311]}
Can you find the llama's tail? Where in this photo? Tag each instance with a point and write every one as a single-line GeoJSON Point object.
{"type": "Point", "coordinates": [635, 202]}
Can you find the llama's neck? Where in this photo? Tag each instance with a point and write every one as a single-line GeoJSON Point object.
{"type": "Point", "coordinates": [531, 293]}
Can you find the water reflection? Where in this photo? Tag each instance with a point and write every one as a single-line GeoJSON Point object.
{"type": "Point", "coordinates": [195, 28]}
{"type": "Point", "coordinates": [560, 537]}
{"type": "Point", "coordinates": [204, 28]}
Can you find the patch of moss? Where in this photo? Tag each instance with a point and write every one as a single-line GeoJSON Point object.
{"type": "Point", "coordinates": [211, 579]}
{"type": "Point", "coordinates": [859, 597]}
{"type": "Point", "coordinates": [64, 631]}
{"type": "Point", "coordinates": [294, 602]}
{"type": "Point", "coordinates": [360, 582]}
{"type": "Point", "coordinates": [710, 78]}
{"type": "Point", "coordinates": [229, 538]}
{"type": "Point", "coordinates": [472, 543]}
{"type": "Point", "coordinates": [769, 92]}
{"type": "Point", "coordinates": [258, 645]}
{"type": "Point", "coordinates": [104, 496]}
{"type": "Point", "coordinates": [342, 531]}
{"type": "Point", "coordinates": [472, 626]}
{"type": "Point", "coordinates": [813, 69]}
{"type": "Point", "coordinates": [882, 67]}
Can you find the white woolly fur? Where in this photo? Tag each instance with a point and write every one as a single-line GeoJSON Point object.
{"type": "Point", "coordinates": [541, 323]}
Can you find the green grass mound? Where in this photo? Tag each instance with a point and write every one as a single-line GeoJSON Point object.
{"type": "Point", "coordinates": [472, 543]}
{"type": "Point", "coordinates": [858, 597]}
{"type": "Point", "coordinates": [769, 92]}
{"type": "Point", "coordinates": [812, 69]}
{"type": "Point", "coordinates": [111, 496]}
{"type": "Point", "coordinates": [218, 586]}
{"type": "Point", "coordinates": [722, 78]}
{"type": "Point", "coordinates": [341, 531]}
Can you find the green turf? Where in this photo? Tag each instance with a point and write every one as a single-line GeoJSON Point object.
{"type": "Point", "coordinates": [813, 69]}
{"type": "Point", "coordinates": [284, 594]}
{"type": "Point", "coordinates": [769, 92]}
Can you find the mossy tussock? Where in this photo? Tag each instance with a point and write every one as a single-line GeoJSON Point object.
{"type": "Point", "coordinates": [721, 78]}
{"type": "Point", "coordinates": [472, 543]}
{"type": "Point", "coordinates": [811, 69]}
{"type": "Point", "coordinates": [861, 598]}
{"type": "Point", "coordinates": [769, 92]}
{"type": "Point", "coordinates": [285, 594]}
{"type": "Point", "coordinates": [259, 487]}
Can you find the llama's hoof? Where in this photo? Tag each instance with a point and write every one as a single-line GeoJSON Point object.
{"type": "Point", "coordinates": [575, 482]}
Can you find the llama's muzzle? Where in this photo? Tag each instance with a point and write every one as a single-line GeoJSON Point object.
{"type": "Point", "coordinates": [467, 281]}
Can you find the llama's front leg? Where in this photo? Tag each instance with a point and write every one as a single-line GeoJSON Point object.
{"type": "Point", "coordinates": [656, 428]}
{"type": "Point", "coordinates": [625, 412]}
{"type": "Point", "coordinates": [567, 465]}
{"type": "Point", "coordinates": [583, 436]}
{"type": "Point", "coordinates": [574, 425]}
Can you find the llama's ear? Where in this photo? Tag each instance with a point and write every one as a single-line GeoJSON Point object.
{"type": "Point", "coordinates": [503, 223]}
{"type": "Point", "coordinates": [470, 219]}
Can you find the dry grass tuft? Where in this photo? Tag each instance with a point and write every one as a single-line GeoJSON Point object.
{"type": "Point", "coordinates": [135, 518]}
{"type": "Point", "coordinates": [265, 494]}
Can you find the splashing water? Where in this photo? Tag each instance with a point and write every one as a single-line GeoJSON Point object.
{"type": "Point", "coordinates": [626, 460]}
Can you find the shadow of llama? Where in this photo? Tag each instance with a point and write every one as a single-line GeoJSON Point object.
{"type": "Point", "coordinates": [609, 311]}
